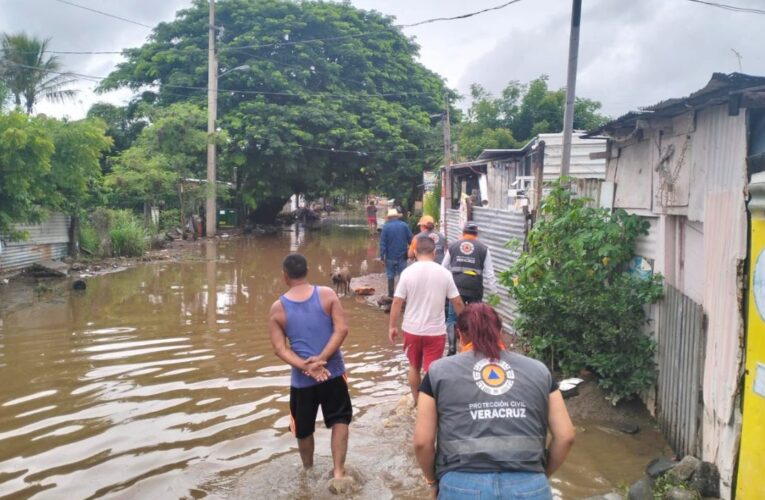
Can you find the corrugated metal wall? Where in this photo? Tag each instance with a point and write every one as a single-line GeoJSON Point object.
{"type": "Point", "coordinates": [681, 346]}
{"type": "Point", "coordinates": [46, 241]}
{"type": "Point", "coordinates": [495, 229]}
{"type": "Point", "coordinates": [581, 164]}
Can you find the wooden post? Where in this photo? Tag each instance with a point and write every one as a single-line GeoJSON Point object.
{"type": "Point", "coordinates": [538, 160]}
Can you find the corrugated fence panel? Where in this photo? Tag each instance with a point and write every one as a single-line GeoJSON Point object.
{"type": "Point", "coordinates": [681, 347]}
{"type": "Point", "coordinates": [452, 230]}
{"type": "Point", "coordinates": [495, 229]}
{"type": "Point", "coordinates": [46, 241]}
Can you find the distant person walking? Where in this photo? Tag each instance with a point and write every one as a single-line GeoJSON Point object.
{"type": "Point", "coordinates": [314, 322]}
{"type": "Point", "coordinates": [470, 262]}
{"type": "Point", "coordinates": [427, 230]}
{"type": "Point", "coordinates": [394, 242]}
{"type": "Point", "coordinates": [483, 418]}
{"type": "Point", "coordinates": [424, 286]}
{"type": "Point", "coordinates": [372, 217]}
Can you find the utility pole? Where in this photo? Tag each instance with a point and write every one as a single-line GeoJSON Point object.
{"type": "Point", "coordinates": [447, 134]}
{"type": "Point", "coordinates": [568, 115]}
{"type": "Point", "coordinates": [446, 175]}
{"type": "Point", "coordinates": [212, 110]}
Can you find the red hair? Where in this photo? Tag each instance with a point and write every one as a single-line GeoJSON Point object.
{"type": "Point", "coordinates": [480, 324]}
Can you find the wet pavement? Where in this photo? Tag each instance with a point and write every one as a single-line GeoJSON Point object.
{"type": "Point", "coordinates": [159, 382]}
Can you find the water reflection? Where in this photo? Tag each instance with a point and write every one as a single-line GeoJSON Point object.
{"type": "Point", "coordinates": [163, 374]}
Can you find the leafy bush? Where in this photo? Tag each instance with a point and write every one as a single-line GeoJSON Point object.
{"type": "Point", "coordinates": [127, 235]}
{"type": "Point", "coordinates": [169, 219]}
{"type": "Point", "coordinates": [88, 237]}
{"type": "Point", "coordinates": [579, 307]}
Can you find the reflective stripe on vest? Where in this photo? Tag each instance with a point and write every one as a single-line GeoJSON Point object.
{"type": "Point", "coordinates": [521, 444]}
{"type": "Point", "coordinates": [466, 270]}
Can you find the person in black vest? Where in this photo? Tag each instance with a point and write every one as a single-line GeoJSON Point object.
{"type": "Point", "coordinates": [470, 262]}
{"type": "Point", "coordinates": [483, 417]}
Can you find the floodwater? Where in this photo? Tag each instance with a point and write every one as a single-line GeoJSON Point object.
{"type": "Point", "coordinates": [159, 382]}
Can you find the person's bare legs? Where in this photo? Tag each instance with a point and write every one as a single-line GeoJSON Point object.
{"type": "Point", "coordinates": [414, 382]}
{"type": "Point", "coordinates": [305, 446]}
{"type": "Point", "coordinates": [339, 449]}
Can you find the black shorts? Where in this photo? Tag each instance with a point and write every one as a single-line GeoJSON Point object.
{"type": "Point", "coordinates": [335, 403]}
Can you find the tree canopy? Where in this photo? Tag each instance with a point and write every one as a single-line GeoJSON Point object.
{"type": "Point", "coordinates": [29, 73]}
{"type": "Point", "coordinates": [518, 114]}
{"type": "Point", "coordinates": [46, 164]}
{"type": "Point", "coordinates": [314, 96]}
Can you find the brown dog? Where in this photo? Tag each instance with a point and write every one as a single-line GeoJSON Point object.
{"type": "Point", "coordinates": [341, 277]}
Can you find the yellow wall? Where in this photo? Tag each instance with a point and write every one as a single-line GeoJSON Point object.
{"type": "Point", "coordinates": [751, 466]}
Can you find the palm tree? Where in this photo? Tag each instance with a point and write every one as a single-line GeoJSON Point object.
{"type": "Point", "coordinates": [29, 74]}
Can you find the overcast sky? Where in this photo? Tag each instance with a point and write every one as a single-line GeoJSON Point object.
{"type": "Point", "coordinates": [632, 52]}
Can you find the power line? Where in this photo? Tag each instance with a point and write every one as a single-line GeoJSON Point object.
{"type": "Point", "coordinates": [104, 13]}
{"type": "Point", "coordinates": [233, 91]}
{"type": "Point", "coordinates": [288, 42]}
{"type": "Point", "coordinates": [370, 152]}
{"type": "Point", "coordinates": [462, 16]}
{"type": "Point", "coordinates": [732, 8]}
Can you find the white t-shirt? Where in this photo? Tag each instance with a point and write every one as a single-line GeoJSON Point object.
{"type": "Point", "coordinates": [425, 286]}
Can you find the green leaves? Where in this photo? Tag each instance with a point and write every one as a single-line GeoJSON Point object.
{"type": "Point", "coordinates": [46, 164]}
{"type": "Point", "coordinates": [520, 113]}
{"type": "Point", "coordinates": [305, 116]}
{"type": "Point", "coordinates": [579, 307]}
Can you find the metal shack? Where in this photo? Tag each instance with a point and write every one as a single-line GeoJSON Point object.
{"type": "Point", "coordinates": [685, 164]}
{"type": "Point", "coordinates": [503, 175]}
{"type": "Point", "coordinates": [48, 240]}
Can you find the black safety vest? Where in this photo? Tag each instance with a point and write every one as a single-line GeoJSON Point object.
{"type": "Point", "coordinates": [492, 415]}
{"type": "Point", "coordinates": [440, 242]}
{"type": "Point", "coordinates": [466, 263]}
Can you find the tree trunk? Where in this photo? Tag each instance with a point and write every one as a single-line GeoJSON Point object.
{"type": "Point", "coordinates": [74, 240]}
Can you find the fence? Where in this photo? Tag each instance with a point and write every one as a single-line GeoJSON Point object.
{"type": "Point", "coordinates": [681, 344]}
{"type": "Point", "coordinates": [495, 229]}
{"type": "Point", "coordinates": [46, 241]}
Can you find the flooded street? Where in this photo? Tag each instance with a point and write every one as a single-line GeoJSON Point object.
{"type": "Point", "coordinates": [159, 382]}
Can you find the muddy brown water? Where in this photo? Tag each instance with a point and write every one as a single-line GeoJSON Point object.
{"type": "Point", "coordinates": [159, 382]}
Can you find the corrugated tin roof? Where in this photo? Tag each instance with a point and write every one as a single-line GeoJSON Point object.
{"type": "Point", "coordinates": [719, 88]}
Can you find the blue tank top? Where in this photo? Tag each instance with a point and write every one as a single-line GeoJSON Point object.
{"type": "Point", "coordinates": [308, 329]}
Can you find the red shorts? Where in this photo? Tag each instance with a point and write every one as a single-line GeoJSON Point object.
{"type": "Point", "coordinates": [371, 220]}
{"type": "Point", "coordinates": [422, 350]}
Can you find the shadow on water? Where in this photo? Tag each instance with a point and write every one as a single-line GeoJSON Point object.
{"type": "Point", "coordinates": [160, 382]}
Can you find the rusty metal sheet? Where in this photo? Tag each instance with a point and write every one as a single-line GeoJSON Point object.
{"type": "Point", "coordinates": [46, 241]}
{"type": "Point", "coordinates": [725, 237]}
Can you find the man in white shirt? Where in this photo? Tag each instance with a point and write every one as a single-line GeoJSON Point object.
{"type": "Point", "coordinates": [424, 286]}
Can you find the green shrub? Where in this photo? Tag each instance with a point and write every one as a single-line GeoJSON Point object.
{"type": "Point", "coordinates": [88, 237]}
{"type": "Point", "coordinates": [127, 235]}
{"type": "Point", "coordinates": [579, 307]}
{"type": "Point", "coordinates": [169, 219]}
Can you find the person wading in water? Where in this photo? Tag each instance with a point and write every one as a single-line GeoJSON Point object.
{"type": "Point", "coordinates": [313, 320]}
{"type": "Point", "coordinates": [424, 286]}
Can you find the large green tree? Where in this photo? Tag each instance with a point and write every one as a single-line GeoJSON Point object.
{"type": "Point", "coordinates": [30, 73]}
{"type": "Point", "coordinates": [168, 150]}
{"type": "Point", "coordinates": [518, 114]}
{"type": "Point", "coordinates": [123, 125]}
{"type": "Point", "coordinates": [314, 96]}
{"type": "Point", "coordinates": [46, 164]}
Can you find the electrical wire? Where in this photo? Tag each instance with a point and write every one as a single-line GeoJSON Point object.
{"type": "Point", "coordinates": [732, 8]}
{"type": "Point", "coordinates": [286, 42]}
{"type": "Point", "coordinates": [462, 16]}
{"type": "Point", "coordinates": [104, 13]}
{"type": "Point", "coordinates": [236, 91]}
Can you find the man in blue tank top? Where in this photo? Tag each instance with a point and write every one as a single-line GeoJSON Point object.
{"type": "Point", "coordinates": [313, 321]}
